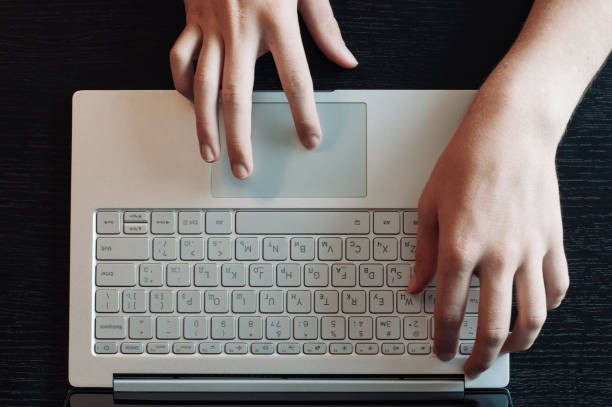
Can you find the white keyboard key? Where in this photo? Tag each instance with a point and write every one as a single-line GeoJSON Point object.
{"type": "Point", "coordinates": [302, 222]}
{"type": "Point", "coordinates": [317, 348]}
{"type": "Point", "coordinates": [305, 328]}
{"type": "Point", "coordinates": [206, 274]}
{"type": "Point", "coordinates": [105, 347]}
{"type": "Point", "coordinates": [330, 248]}
{"type": "Point", "coordinates": [192, 248]}
{"type": "Point", "coordinates": [419, 348]}
{"type": "Point", "coordinates": [430, 301]}
{"type": "Point", "coordinates": [110, 327]}
{"type": "Point", "coordinates": [135, 217]}
{"type": "Point", "coordinates": [178, 275]}
{"type": "Point", "coordinates": [247, 248]}
{"type": "Point", "coordinates": [185, 348]}
{"type": "Point", "coordinates": [215, 301]}
{"type": "Point", "coordinates": [134, 301]}
{"type": "Point", "coordinates": [398, 275]}
{"type": "Point", "coordinates": [233, 275]}
{"type": "Point", "coordinates": [107, 301]}
{"type": "Point", "coordinates": [326, 301]}
{"type": "Point", "coordinates": [165, 248]}
{"type": "Point", "coordinates": [210, 348]}
{"type": "Point", "coordinates": [343, 275]}
{"type": "Point", "coordinates": [132, 347]}
{"type": "Point", "coordinates": [468, 328]}
{"type": "Point", "coordinates": [393, 348]}
{"type": "Point", "coordinates": [262, 348]}
{"type": "Point", "coordinates": [135, 228]}
{"type": "Point", "coordinates": [288, 348]}
{"type": "Point", "coordinates": [195, 328]}
{"type": "Point", "coordinates": [474, 281]}
{"type": "Point", "coordinates": [288, 275]}
{"type": "Point", "coordinates": [357, 248]}
{"type": "Point", "coordinates": [223, 328]}
{"type": "Point", "coordinates": [408, 248]}
{"type": "Point", "coordinates": [341, 348]}
{"type": "Point", "coordinates": [219, 248]}
{"type": "Point", "coordinates": [141, 327]}
{"type": "Point", "coordinates": [275, 248]}
{"type": "Point", "coordinates": [271, 302]}
{"type": "Point", "coordinates": [302, 248]}
{"type": "Point", "coordinates": [466, 348]}
{"type": "Point", "coordinates": [333, 328]}
{"type": "Point", "coordinates": [163, 223]}
{"type": "Point", "coordinates": [189, 301]}
{"type": "Point", "coordinates": [353, 301]}
{"type": "Point", "coordinates": [107, 222]}
{"type": "Point", "coordinates": [409, 303]}
{"type": "Point", "coordinates": [161, 301]}
{"type": "Point", "coordinates": [316, 275]}
{"type": "Point", "coordinates": [298, 302]}
{"type": "Point", "coordinates": [360, 328]}
{"type": "Point", "coordinates": [151, 275]}
{"type": "Point", "coordinates": [236, 348]}
{"type": "Point", "coordinates": [168, 327]}
{"type": "Point", "coordinates": [243, 301]}
{"type": "Point", "coordinates": [411, 223]}
{"type": "Point", "coordinates": [472, 301]}
{"type": "Point", "coordinates": [386, 223]}
{"type": "Point", "coordinates": [190, 223]}
{"type": "Point", "coordinates": [218, 223]}
{"type": "Point", "coordinates": [122, 248]}
{"type": "Point", "coordinates": [115, 275]}
{"type": "Point", "coordinates": [385, 248]}
{"type": "Point", "coordinates": [261, 275]}
{"type": "Point", "coordinates": [388, 328]}
{"type": "Point", "coordinates": [371, 275]}
{"type": "Point", "coordinates": [381, 302]}
{"type": "Point", "coordinates": [366, 348]}
{"type": "Point", "coordinates": [278, 327]}
{"type": "Point", "coordinates": [250, 328]}
{"type": "Point", "coordinates": [415, 328]}
{"type": "Point", "coordinates": [158, 348]}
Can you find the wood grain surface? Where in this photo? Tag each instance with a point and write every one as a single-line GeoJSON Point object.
{"type": "Point", "coordinates": [48, 50]}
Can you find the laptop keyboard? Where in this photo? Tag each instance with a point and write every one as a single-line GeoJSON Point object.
{"type": "Point", "coordinates": [262, 282]}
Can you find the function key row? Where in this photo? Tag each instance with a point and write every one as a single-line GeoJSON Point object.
{"type": "Point", "coordinates": [254, 222]}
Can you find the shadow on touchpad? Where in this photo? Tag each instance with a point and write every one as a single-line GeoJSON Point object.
{"type": "Point", "coordinates": [284, 168]}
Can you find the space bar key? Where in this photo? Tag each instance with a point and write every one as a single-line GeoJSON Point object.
{"type": "Point", "coordinates": [302, 222]}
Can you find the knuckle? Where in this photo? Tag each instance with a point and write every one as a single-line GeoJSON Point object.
{"type": "Point", "coordinates": [492, 337]}
{"type": "Point", "coordinates": [457, 257]}
{"type": "Point", "coordinates": [534, 322]}
{"type": "Point", "coordinates": [297, 87]}
{"type": "Point", "coordinates": [447, 321]}
{"type": "Point", "coordinates": [234, 95]}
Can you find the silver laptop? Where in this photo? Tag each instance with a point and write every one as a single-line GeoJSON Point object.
{"type": "Point", "coordinates": [188, 284]}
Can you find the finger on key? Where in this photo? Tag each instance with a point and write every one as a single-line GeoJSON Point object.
{"type": "Point", "coordinates": [426, 249]}
{"type": "Point", "coordinates": [453, 282]}
{"type": "Point", "coordinates": [323, 27]}
{"type": "Point", "coordinates": [531, 301]}
{"type": "Point", "coordinates": [182, 55]}
{"type": "Point", "coordinates": [236, 98]}
{"type": "Point", "coordinates": [288, 52]}
{"type": "Point", "coordinates": [493, 319]}
{"type": "Point", "coordinates": [206, 96]}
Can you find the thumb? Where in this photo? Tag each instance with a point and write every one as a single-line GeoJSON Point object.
{"type": "Point", "coordinates": [426, 250]}
{"type": "Point", "coordinates": [323, 27]}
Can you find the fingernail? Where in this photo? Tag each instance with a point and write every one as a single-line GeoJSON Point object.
{"type": "Point", "coordinates": [312, 142]}
{"type": "Point", "coordinates": [207, 153]}
{"type": "Point", "coordinates": [445, 356]}
{"type": "Point", "coordinates": [240, 171]}
{"type": "Point", "coordinates": [350, 56]}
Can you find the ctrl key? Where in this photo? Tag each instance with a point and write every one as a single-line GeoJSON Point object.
{"type": "Point", "coordinates": [105, 348]}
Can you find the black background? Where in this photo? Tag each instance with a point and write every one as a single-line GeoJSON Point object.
{"type": "Point", "coordinates": [48, 50]}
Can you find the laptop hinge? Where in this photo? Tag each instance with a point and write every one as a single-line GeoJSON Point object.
{"type": "Point", "coordinates": [190, 388]}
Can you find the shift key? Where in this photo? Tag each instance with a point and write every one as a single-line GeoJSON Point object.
{"type": "Point", "coordinates": [122, 248]}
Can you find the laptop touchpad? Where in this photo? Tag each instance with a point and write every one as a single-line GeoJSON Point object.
{"type": "Point", "coordinates": [284, 168]}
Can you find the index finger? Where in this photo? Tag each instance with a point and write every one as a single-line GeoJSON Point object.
{"type": "Point", "coordinates": [290, 58]}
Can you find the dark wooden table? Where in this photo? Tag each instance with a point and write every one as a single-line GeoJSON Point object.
{"type": "Point", "coordinates": [51, 49]}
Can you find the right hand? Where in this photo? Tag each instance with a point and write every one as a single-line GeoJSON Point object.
{"type": "Point", "coordinates": [226, 37]}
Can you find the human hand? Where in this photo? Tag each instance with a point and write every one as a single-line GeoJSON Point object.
{"type": "Point", "coordinates": [226, 37]}
{"type": "Point", "coordinates": [491, 208]}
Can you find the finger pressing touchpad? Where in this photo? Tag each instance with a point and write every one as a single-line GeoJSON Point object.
{"type": "Point", "coordinates": [285, 168]}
